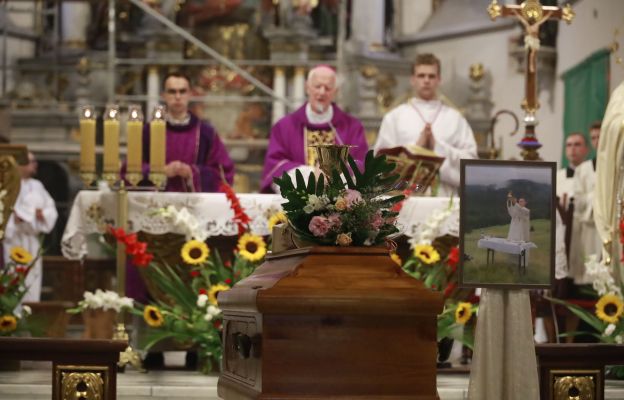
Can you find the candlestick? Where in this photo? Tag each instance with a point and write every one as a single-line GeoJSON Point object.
{"type": "Point", "coordinates": [157, 146]}
{"type": "Point", "coordinates": [111, 144]}
{"type": "Point", "coordinates": [87, 145]}
{"type": "Point", "coordinates": [134, 157]}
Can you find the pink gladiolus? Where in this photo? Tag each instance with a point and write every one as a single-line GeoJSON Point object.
{"type": "Point", "coordinates": [319, 226]}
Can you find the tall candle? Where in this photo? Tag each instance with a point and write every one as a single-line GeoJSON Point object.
{"type": "Point", "coordinates": [87, 139]}
{"type": "Point", "coordinates": [111, 139]}
{"type": "Point", "coordinates": [134, 130]}
{"type": "Point", "coordinates": [157, 141]}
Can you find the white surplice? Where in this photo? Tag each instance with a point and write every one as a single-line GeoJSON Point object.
{"type": "Point", "coordinates": [454, 139]}
{"type": "Point", "coordinates": [585, 240]}
{"type": "Point", "coordinates": [26, 234]}
{"type": "Point", "coordinates": [565, 185]}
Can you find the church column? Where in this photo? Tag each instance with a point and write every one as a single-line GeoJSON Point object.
{"type": "Point", "coordinates": [153, 90]}
{"type": "Point", "coordinates": [299, 86]}
{"type": "Point", "coordinates": [75, 19]}
{"type": "Point", "coordinates": [279, 87]}
{"type": "Point", "coordinates": [367, 22]}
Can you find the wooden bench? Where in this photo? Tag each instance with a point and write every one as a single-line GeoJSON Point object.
{"type": "Point", "coordinates": [575, 370]}
{"type": "Point", "coordinates": [80, 368]}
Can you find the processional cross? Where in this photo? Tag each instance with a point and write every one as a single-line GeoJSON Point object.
{"type": "Point", "coordinates": [531, 14]}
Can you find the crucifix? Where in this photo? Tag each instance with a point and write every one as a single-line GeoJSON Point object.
{"type": "Point", "coordinates": [531, 14]}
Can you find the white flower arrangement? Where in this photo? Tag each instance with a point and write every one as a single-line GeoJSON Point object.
{"type": "Point", "coordinates": [105, 300]}
{"type": "Point", "coordinates": [184, 221]}
{"type": "Point", "coordinates": [600, 276]}
{"type": "Point", "coordinates": [431, 229]}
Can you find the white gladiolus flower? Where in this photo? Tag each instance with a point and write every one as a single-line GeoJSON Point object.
{"type": "Point", "coordinates": [208, 317]}
{"type": "Point", "coordinates": [26, 310]}
{"type": "Point", "coordinates": [600, 275]}
{"type": "Point", "coordinates": [202, 299]}
{"type": "Point", "coordinates": [609, 330]}
{"type": "Point", "coordinates": [619, 339]}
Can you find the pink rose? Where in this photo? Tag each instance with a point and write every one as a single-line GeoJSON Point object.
{"type": "Point", "coordinates": [334, 220]}
{"type": "Point", "coordinates": [377, 221]}
{"type": "Point", "coordinates": [352, 197]}
{"type": "Point", "coordinates": [319, 226]}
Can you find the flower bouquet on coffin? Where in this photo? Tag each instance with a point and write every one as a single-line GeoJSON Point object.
{"type": "Point", "coordinates": [344, 210]}
{"type": "Point", "coordinates": [99, 311]}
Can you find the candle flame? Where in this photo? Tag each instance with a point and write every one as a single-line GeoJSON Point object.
{"type": "Point", "coordinates": [87, 113]}
{"type": "Point", "coordinates": [135, 114]}
{"type": "Point", "coordinates": [158, 114]}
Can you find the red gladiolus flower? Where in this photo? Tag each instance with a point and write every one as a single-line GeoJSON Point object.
{"type": "Point", "coordinates": [203, 291]}
{"type": "Point", "coordinates": [227, 264]}
{"type": "Point", "coordinates": [453, 258]}
{"type": "Point", "coordinates": [241, 219]}
{"type": "Point", "coordinates": [137, 248]}
{"type": "Point", "coordinates": [118, 233]}
{"type": "Point", "coordinates": [131, 239]}
{"type": "Point", "coordinates": [449, 289]}
{"type": "Point", "coordinates": [195, 273]}
{"type": "Point", "coordinates": [228, 281]}
{"type": "Point", "coordinates": [217, 324]}
{"type": "Point", "coordinates": [142, 259]}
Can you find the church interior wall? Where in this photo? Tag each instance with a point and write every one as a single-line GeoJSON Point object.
{"type": "Point", "coordinates": [592, 29]}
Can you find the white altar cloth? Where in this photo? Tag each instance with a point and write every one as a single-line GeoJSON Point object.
{"type": "Point", "coordinates": [92, 209]}
{"type": "Point", "coordinates": [505, 246]}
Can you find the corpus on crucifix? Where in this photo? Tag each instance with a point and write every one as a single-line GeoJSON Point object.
{"type": "Point", "coordinates": [531, 14]}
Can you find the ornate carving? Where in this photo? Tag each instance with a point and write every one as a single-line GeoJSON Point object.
{"type": "Point", "coordinates": [82, 385]}
{"type": "Point", "coordinates": [574, 388]}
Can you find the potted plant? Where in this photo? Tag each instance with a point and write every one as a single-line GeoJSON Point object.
{"type": "Point", "coordinates": [99, 312]}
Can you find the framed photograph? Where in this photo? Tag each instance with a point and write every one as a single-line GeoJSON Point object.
{"type": "Point", "coordinates": [507, 224]}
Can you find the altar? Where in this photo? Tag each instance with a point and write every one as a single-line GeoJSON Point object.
{"type": "Point", "coordinates": [93, 210]}
{"type": "Point", "coordinates": [494, 244]}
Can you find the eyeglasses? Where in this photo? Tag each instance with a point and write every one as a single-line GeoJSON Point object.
{"type": "Point", "coordinates": [176, 91]}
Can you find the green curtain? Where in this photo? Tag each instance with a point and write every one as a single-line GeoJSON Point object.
{"type": "Point", "coordinates": [586, 88]}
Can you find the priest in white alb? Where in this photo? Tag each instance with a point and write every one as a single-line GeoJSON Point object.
{"type": "Point", "coordinates": [34, 214]}
{"type": "Point", "coordinates": [426, 122]}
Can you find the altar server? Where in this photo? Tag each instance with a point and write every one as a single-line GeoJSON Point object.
{"type": "Point", "coordinates": [424, 121]}
{"type": "Point", "coordinates": [34, 214]}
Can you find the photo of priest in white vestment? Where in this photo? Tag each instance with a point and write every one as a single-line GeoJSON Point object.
{"type": "Point", "coordinates": [34, 214]}
{"type": "Point", "coordinates": [520, 225]}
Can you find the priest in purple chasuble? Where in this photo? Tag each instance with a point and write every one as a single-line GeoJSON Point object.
{"type": "Point", "coordinates": [196, 159]}
{"type": "Point", "coordinates": [318, 121]}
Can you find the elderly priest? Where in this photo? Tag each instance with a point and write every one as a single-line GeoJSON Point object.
{"type": "Point", "coordinates": [318, 121]}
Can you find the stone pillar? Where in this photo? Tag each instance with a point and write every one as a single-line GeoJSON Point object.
{"type": "Point", "coordinates": [279, 87]}
{"type": "Point", "coordinates": [367, 22]}
{"type": "Point", "coordinates": [153, 91]}
{"type": "Point", "coordinates": [299, 95]}
{"type": "Point", "coordinates": [75, 17]}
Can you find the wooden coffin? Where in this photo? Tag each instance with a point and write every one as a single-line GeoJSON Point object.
{"type": "Point", "coordinates": [329, 322]}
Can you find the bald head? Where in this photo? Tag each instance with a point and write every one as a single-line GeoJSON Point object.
{"type": "Point", "coordinates": [321, 88]}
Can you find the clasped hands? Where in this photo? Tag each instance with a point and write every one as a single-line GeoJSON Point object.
{"type": "Point", "coordinates": [426, 138]}
{"type": "Point", "coordinates": [178, 168]}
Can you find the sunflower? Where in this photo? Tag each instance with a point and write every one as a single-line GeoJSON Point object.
{"type": "Point", "coordinates": [214, 291]}
{"type": "Point", "coordinates": [20, 255]}
{"type": "Point", "coordinates": [277, 218]}
{"type": "Point", "coordinates": [426, 253]}
{"type": "Point", "coordinates": [153, 316]}
{"type": "Point", "coordinates": [8, 323]}
{"type": "Point", "coordinates": [251, 247]}
{"type": "Point", "coordinates": [609, 308]}
{"type": "Point", "coordinates": [395, 257]}
{"type": "Point", "coordinates": [194, 252]}
{"type": "Point", "coordinates": [463, 312]}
